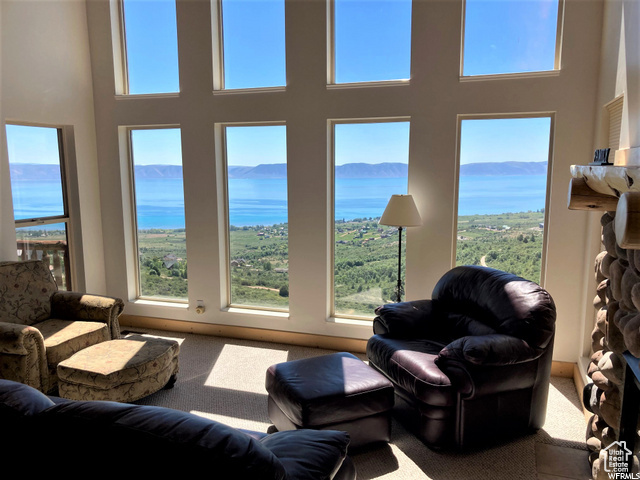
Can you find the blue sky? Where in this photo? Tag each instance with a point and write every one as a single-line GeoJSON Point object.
{"type": "Point", "coordinates": [372, 43]}
{"type": "Point", "coordinates": [371, 142]}
{"type": "Point", "coordinates": [509, 36]}
{"type": "Point", "coordinates": [372, 40]}
{"type": "Point", "coordinates": [152, 46]}
{"type": "Point", "coordinates": [28, 144]}
{"type": "Point", "coordinates": [254, 145]}
{"type": "Point", "coordinates": [254, 44]}
{"type": "Point", "coordinates": [157, 146]}
{"type": "Point", "coordinates": [497, 140]}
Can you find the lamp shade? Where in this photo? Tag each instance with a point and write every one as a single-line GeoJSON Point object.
{"type": "Point", "coordinates": [401, 211]}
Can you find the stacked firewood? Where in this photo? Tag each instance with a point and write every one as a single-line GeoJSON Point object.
{"type": "Point", "coordinates": [617, 329]}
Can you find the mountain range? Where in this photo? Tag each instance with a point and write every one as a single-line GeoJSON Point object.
{"type": "Point", "coordinates": [31, 171]}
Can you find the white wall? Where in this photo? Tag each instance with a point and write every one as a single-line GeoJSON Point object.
{"type": "Point", "coordinates": [433, 100]}
{"type": "Point", "coordinates": [46, 79]}
{"type": "Point", "coordinates": [620, 73]}
{"type": "Point", "coordinates": [7, 231]}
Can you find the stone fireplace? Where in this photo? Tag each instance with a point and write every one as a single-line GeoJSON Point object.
{"type": "Point", "coordinates": [612, 396]}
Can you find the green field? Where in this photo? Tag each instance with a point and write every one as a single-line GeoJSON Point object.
{"type": "Point", "coordinates": [366, 256]}
{"type": "Point", "coordinates": [510, 242]}
{"type": "Point", "coordinates": [365, 252]}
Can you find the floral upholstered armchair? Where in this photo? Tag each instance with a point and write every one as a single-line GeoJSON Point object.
{"type": "Point", "coordinates": [41, 326]}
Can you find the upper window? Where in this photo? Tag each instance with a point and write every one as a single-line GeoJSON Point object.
{"type": "Point", "coordinates": [253, 41]}
{"type": "Point", "coordinates": [151, 38]}
{"type": "Point", "coordinates": [159, 207]}
{"type": "Point", "coordinates": [370, 165]}
{"type": "Point", "coordinates": [372, 40]}
{"type": "Point", "coordinates": [510, 36]}
{"type": "Point", "coordinates": [258, 216]}
{"type": "Point", "coordinates": [502, 193]}
{"type": "Point", "coordinates": [39, 197]}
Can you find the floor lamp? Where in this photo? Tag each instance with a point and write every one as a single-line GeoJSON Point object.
{"type": "Point", "coordinates": [401, 212]}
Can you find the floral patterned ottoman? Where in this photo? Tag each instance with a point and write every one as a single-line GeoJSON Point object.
{"type": "Point", "coordinates": [120, 370]}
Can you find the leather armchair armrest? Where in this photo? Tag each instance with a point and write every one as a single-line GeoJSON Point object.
{"type": "Point", "coordinates": [489, 350]}
{"type": "Point", "coordinates": [403, 319]}
{"type": "Point", "coordinates": [83, 306]}
{"type": "Point", "coordinates": [489, 364]}
{"type": "Point", "coordinates": [16, 339]}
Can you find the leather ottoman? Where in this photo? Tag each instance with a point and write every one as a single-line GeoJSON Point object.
{"type": "Point", "coordinates": [331, 392]}
{"type": "Point", "coordinates": [120, 370]}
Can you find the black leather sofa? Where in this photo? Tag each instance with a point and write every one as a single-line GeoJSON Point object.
{"type": "Point", "coordinates": [79, 439]}
{"type": "Point", "coordinates": [473, 362]}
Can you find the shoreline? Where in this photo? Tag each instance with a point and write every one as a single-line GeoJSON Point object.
{"type": "Point", "coordinates": [285, 225]}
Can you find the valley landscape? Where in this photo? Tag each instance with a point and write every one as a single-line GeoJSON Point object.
{"type": "Point", "coordinates": [365, 253]}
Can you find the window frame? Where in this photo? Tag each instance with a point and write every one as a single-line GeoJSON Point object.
{"type": "Point", "coordinates": [70, 270]}
{"type": "Point", "coordinates": [331, 58]}
{"type": "Point", "coordinates": [557, 63]}
{"type": "Point", "coordinates": [121, 56]}
{"type": "Point", "coordinates": [331, 124]}
{"type": "Point", "coordinates": [217, 39]}
{"type": "Point", "coordinates": [550, 162]}
{"type": "Point", "coordinates": [224, 216]}
{"type": "Point", "coordinates": [133, 210]}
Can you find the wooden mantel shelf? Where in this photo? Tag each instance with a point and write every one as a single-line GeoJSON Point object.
{"type": "Point", "coordinates": [612, 180]}
{"type": "Point", "coordinates": [612, 189]}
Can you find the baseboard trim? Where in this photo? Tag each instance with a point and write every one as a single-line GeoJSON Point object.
{"type": "Point", "coordinates": [578, 380]}
{"type": "Point", "coordinates": [247, 333]}
{"type": "Point", "coordinates": [558, 369]}
{"type": "Point", "coordinates": [562, 369]}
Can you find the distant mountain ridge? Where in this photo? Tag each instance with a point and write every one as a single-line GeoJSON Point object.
{"type": "Point", "coordinates": [158, 171]}
{"type": "Point", "coordinates": [504, 168]}
{"type": "Point", "coordinates": [34, 171]}
{"type": "Point", "coordinates": [31, 171]}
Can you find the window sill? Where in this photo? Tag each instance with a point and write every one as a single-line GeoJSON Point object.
{"type": "Point", "coordinates": [146, 96]}
{"type": "Point", "coordinates": [256, 311]}
{"type": "Point", "coordinates": [357, 321]}
{"type": "Point", "coordinates": [148, 302]}
{"type": "Point", "coordinates": [508, 76]}
{"type": "Point", "coordinates": [385, 83]}
{"type": "Point", "coordinates": [244, 91]}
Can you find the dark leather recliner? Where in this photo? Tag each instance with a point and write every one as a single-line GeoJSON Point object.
{"type": "Point", "coordinates": [473, 361]}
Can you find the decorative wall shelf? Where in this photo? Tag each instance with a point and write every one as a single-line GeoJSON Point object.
{"type": "Point", "coordinates": [612, 189]}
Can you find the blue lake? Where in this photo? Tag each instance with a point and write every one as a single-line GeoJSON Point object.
{"type": "Point", "coordinates": [264, 201]}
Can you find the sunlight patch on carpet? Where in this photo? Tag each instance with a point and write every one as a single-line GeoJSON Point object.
{"type": "Point", "coordinates": [235, 421]}
{"type": "Point", "coordinates": [251, 361]}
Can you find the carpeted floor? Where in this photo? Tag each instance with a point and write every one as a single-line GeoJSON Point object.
{"type": "Point", "coordinates": [223, 379]}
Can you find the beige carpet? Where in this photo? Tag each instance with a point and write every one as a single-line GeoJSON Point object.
{"type": "Point", "coordinates": [223, 379]}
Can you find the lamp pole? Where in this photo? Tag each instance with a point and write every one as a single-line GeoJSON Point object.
{"type": "Point", "coordinates": [400, 212]}
{"type": "Point", "coordinates": [399, 289]}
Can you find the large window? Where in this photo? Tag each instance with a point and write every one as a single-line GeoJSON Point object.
{"type": "Point", "coordinates": [371, 164]}
{"type": "Point", "coordinates": [510, 36]}
{"type": "Point", "coordinates": [159, 211]}
{"type": "Point", "coordinates": [253, 40]}
{"type": "Point", "coordinates": [502, 193]}
{"type": "Point", "coordinates": [151, 40]}
{"type": "Point", "coordinates": [256, 165]}
{"type": "Point", "coordinates": [371, 40]}
{"type": "Point", "coordinates": [39, 197]}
